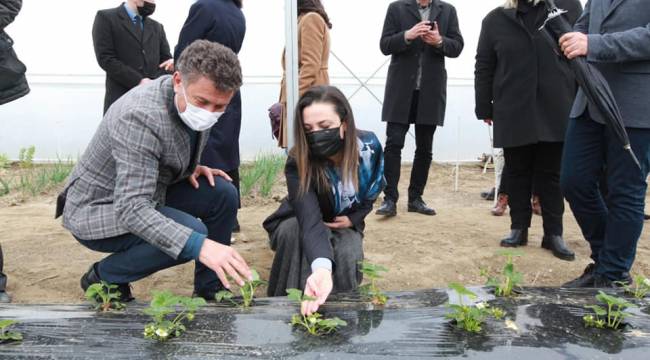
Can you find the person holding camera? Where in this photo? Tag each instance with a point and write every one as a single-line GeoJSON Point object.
{"type": "Point", "coordinates": [418, 35]}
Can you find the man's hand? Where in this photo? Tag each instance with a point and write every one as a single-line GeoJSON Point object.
{"type": "Point", "coordinates": [433, 37]}
{"type": "Point", "coordinates": [208, 173]}
{"type": "Point", "coordinates": [319, 285]}
{"type": "Point", "coordinates": [574, 44]}
{"type": "Point", "coordinates": [145, 80]}
{"type": "Point", "coordinates": [340, 222]}
{"type": "Point", "coordinates": [224, 260]}
{"type": "Point", "coordinates": [488, 121]}
{"type": "Point", "coordinates": [167, 65]}
{"type": "Point", "coordinates": [418, 30]}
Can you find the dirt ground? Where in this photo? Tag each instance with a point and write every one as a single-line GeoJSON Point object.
{"type": "Point", "coordinates": [44, 262]}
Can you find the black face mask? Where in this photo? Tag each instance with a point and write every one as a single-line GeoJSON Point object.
{"type": "Point", "coordinates": [147, 9]}
{"type": "Point", "coordinates": [325, 143]}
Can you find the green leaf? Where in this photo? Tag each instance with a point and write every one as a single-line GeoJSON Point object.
{"type": "Point", "coordinates": [223, 295]}
{"type": "Point", "coordinates": [6, 323]}
{"type": "Point", "coordinates": [255, 275]}
{"type": "Point", "coordinates": [295, 295]}
{"type": "Point", "coordinates": [461, 290]}
{"type": "Point", "coordinates": [597, 309]}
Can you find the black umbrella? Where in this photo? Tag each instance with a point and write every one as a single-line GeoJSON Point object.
{"type": "Point", "coordinates": [591, 81]}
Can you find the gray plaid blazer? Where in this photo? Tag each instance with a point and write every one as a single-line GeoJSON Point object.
{"type": "Point", "coordinates": [140, 148]}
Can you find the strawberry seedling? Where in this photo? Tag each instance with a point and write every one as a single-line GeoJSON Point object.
{"type": "Point", "coordinates": [610, 318]}
{"type": "Point", "coordinates": [6, 335]}
{"type": "Point", "coordinates": [169, 312]}
{"type": "Point", "coordinates": [315, 324]}
{"type": "Point", "coordinates": [105, 296]}
{"type": "Point", "coordinates": [247, 292]}
{"type": "Point", "coordinates": [470, 317]}
{"type": "Point", "coordinates": [370, 291]}
{"type": "Point", "coordinates": [640, 289]}
{"type": "Point", "coordinates": [504, 285]}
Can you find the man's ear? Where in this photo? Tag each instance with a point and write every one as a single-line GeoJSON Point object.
{"type": "Point", "coordinates": [176, 79]}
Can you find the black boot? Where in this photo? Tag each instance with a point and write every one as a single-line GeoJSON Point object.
{"type": "Point", "coordinates": [516, 238]}
{"type": "Point", "coordinates": [556, 244]}
{"type": "Point", "coordinates": [91, 277]}
{"type": "Point", "coordinates": [488, 194]}
{"type": "Point", "coordinates": [388, 208]}
{"type": "Point", "coordinates": [586, 280]}
{"type": "Point", "coordinates": [419, 206]}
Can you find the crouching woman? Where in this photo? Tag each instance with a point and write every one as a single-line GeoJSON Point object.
{"type": "Point", "coordinates": [334, 175]}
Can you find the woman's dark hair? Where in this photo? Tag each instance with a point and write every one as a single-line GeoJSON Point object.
{"type": "Point", "coordinates": [312, 169]}
{"type": "Point", "coordinates": [307, 6]}
{"type": "Point", "coordinates": [238, 3]}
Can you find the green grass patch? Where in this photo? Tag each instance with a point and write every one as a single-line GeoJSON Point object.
{"type": "Point", "coordinates": [261, 174]}
{"type": "Point", "coordinates": [33, 180]}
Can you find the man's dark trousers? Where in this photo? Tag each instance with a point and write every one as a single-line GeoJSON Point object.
{"type": "Point", "coordinates": [611, 227]}
{"type": "Point", "coordinates": [395, 137]}
{"type": "Point", "coordinates": [132, 258]}
{"type": "Point", "coordinates": [3, 277]}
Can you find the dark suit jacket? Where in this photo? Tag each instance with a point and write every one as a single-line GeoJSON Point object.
{"type": "Point", "coordinates": [221, 21]}
{"type": "Point", "coordinates": [125, 55]}
{"type": "Point", "coordinates": [520, 81]}
{"type": "Point", "coordinates": [402, 15]}
{"type": "Point", "coordinates": [619, 46]}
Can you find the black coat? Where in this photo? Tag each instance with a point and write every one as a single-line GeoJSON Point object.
{"type": "Point", "coordinates": [126, 56]}
{"type": "Point", "coordinates": [13, 83]}
{"type": "Point", "coordinates": [312, 210]}
{"type": "Point", "coordinates": [221, 21]}
{"type": "Point", "coordinates": [521, 83]}
{"type": "Point", "coordinates": [402, 15]}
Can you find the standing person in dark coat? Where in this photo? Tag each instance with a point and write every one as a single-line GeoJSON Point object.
{"type": "Point", "coordinates": [418, 34]}
{"type": "Point", "coordinates": [130, 46]}
{"type": "Point", "coordinates": [614, 36]}
{"type": "Point", "coordinates": [13, 85]}
{"type": "Point", "coordinates": [526, 90]}
{"type": "Point", "coordinates": [220, 21]}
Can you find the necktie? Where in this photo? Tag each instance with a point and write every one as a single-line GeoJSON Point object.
{"type": "Point", "coordinates": [138, 23]}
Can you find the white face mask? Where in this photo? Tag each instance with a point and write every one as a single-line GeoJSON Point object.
{"type": "Point", "coordinates": [196, 118]}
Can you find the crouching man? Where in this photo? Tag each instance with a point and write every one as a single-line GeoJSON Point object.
{"type": "Point", "coordinates": [138, 192]}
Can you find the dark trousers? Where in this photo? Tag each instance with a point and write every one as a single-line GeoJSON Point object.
{"type": "Point", "coordinates": [535, 165]}
{"type": "Point", "coordinates": [3, 277]}
{"type": "Point", "coordinates": [234, 175]}
{"type": "Point", "coordinates": [612, 226]}
{"type": "Point", "coordinates": [395, 137]}
{"type": "Point", "coordinates": [132, 258]}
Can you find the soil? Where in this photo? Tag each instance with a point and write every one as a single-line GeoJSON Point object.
{"type": "Point", "coordinates": [44, 262]}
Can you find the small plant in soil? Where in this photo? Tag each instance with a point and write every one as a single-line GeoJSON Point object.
{"type": "Point", "coordinates": [370, 291]}
{"type": "Point", "coordinates": [26, 157]}
{"type": "Point", "coordinates": [6, 335]}
{"type": "Point", "coordinates": [640, 289]}
{"type": "Point", "coordinates": [610, 317]}
{"type": "Point", "coordinates": [247, 292]}
{"type": "Point", "coordinates": [504, 285]}
{"type": "Point", "coordinates": [470, 317]}
{"type": "Point", "coordinates": [314, 324]}
{"type": "Point", "coordinates": [104, 296]}
{"type": "Point", "coordinates": [169, 313]}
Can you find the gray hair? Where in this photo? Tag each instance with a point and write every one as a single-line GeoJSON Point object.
{"type": "Point", "coordinates": [512, 4]}
{"type": "Point", "coordinates": [212, 60]}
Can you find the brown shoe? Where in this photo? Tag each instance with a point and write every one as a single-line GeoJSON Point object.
{"type": "Point", "coordinates": [501, 206]}
{"type": "Point", "coordinates": [537, 206]}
